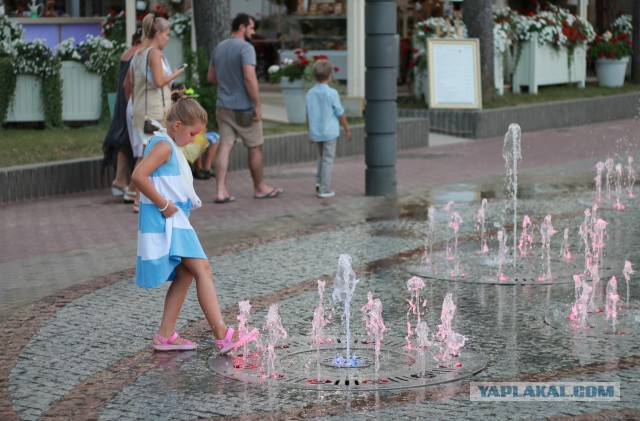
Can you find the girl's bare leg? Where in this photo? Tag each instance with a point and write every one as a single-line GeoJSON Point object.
{"type": "Point", "coordinates": [207, 297]}
{"type": "Point", "coordinates": [173, 301]}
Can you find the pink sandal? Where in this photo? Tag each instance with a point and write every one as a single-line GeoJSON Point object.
{"type": "Point", "coordinates": [227, 344]}
{"type": "Point", "coordinates": [168, 344]}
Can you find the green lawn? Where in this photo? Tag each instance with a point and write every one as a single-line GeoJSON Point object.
{"type": "Point", "coordinates": [27, 146]}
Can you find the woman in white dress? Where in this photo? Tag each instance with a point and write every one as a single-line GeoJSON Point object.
{"type": "Point", "coordinates": [150, 78]}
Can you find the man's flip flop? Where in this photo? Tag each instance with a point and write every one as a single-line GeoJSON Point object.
{"type": "Point", "coordinates": [271, 195]}
{"type": "Point", "coordinates": [227, 199]}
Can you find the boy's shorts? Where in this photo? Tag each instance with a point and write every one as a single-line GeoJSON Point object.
{"type": "Point", "coordinates": [228, 129]}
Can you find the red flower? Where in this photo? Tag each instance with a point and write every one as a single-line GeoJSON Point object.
{"type": "Point", "coordinates": [601, 54]}
{"type": "Point", "coordinates": [412, 64]}
{"type": "Point", "coordinates": [336, 69]}
{"type": "Point", "coordinates": [611, 54]}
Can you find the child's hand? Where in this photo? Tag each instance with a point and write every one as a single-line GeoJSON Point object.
{"type": "Point", "coordinates": [349, 135]}
{"type": "Point", "coordinates": [311, 142]}
{"type": "Point", "coordinates": [170, 210]}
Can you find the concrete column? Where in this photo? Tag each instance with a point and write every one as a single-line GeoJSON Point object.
{"type": "Point", "coordinates": [381, 112]}
{"type": "Point", "coordinates": [130, 20]}
{"type": "Point", "coordinates": [355, 48]}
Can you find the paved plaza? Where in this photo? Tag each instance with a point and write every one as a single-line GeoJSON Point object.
{"type": "Point", "coordinates": [76, 331]}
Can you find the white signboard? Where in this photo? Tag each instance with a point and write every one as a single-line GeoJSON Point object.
{"type": "Point", "coordinates": [454, 73]}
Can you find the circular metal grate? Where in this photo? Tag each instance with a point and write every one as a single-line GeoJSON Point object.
{"type": "Point", "coordinates": [303, 366]}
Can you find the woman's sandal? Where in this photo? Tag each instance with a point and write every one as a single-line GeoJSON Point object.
{"type": "Point", "coordinates": [118, 191]}
{"type": "Point", "coordinates": [168, 344]}
{"type": "Point", "coordinates": [227, 344]}
{"type": "Point", "coordinates": [129, 196]}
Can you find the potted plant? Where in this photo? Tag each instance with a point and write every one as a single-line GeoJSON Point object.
{"type": "Point", "coordinates": [611, 54]}
{"type": "Point", "coordinates": [295, 77]}
{"type": "Point", "coordinates": [37, 94]}
{"type": "Point", "coordinates": [10, 32]}
{"type": "Point", "coordinates": [83, 67]}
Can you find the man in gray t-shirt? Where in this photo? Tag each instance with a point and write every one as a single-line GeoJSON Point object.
{"type": "Point", "coordinates": [238, 113]}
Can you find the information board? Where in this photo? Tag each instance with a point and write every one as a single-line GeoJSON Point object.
{"type": "Point", "coordinates": [454, 73]}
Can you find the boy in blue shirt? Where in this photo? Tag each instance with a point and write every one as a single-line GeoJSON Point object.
{"type": "Point", "coordinates": [324, 116]}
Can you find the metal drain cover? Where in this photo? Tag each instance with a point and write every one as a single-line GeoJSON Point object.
{"type": "Point", "coordinates": [302, 366]}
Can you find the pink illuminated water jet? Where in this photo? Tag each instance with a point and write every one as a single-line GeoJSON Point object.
{"type": "Point", "coordinates": [375, 326]}
{"type": "Point", "coordinates": [414, 285]}
{"type": "Point", "coordinates": [480, 220]}
{"type": "Point", "coordinates": [598, 181]}
{"type": "Point", "coordinates": [451, 341]}
{"type": "Point", "coordinates": [511, 152]}
{"type": "Point", "coordinates": [546, 232]}
{"type": "Point", "coordinates": [565, 253]}
{"type": "Point", "coordinates": [525, 245]}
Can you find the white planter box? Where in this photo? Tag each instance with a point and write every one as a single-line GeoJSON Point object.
{"type": "Point", "coordinates": [544, 65]}
{"type": "Point", "coordinates": [27, 101]}
{"type": "Point", "coordinates": [81, 92]}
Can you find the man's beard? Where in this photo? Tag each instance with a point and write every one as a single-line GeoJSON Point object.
{"type": "Point", "coordinates": [248, 39]}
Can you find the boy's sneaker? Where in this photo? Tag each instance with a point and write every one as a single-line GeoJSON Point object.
{"type": "Point", "coordinates": [326, 195]}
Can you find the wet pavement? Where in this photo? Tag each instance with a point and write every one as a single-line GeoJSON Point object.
{"type": "Point", "coordinates": [76, 330]}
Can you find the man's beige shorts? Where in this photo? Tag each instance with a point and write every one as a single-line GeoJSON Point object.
{"type": "Point", "coordinates": [228, 129]}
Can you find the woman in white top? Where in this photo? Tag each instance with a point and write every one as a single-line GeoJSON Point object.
{"type": "Point", "coordinates": [150, 78]}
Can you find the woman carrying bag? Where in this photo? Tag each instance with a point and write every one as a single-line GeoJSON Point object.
{"type": "Point", "coordinates": [150, 77]}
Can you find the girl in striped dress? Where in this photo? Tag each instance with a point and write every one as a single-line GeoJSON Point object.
{"type": "Point", "coordinates": [168, 247]}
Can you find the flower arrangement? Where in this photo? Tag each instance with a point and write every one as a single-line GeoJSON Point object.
{"type": "Point", "coordinates": [114, 26]}
{"type": "Point", "coordinates": [622, 25]}
{"type": "Point", "coordinates": [611, 46]}
{"type": "Point", "coordinates": [504, 29]}
{"type": "Point", "coordinates": [555, 26]}
{"type": "Point", "coordinates": [99, 54]}
{"type": "Point", "coordinates": [67, 51]}
{"type": "Point", "coordinates": [35, 58]}
{"type": "Point", "coordinates": [300, 68]}
{"type": "Point", "coordinates": [181, 23]}
{"type": "Point", "coordinates": [10, 32]}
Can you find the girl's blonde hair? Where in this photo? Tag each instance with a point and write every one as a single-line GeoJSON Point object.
{"type": "Point", "coordinates": [185, 109]}
{"type": "Point", "coordinates": [151, 25]}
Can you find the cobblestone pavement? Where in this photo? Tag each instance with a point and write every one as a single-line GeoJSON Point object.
{"type": "Point", "coordinates": [76, 330]}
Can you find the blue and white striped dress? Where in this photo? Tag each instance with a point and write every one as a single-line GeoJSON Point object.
{"type": "Point", "coordinates": [162, 243]}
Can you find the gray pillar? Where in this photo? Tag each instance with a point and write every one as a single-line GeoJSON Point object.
{"type": "Point", "coordinates": [381, 112]}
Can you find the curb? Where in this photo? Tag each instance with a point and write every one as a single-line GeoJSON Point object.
{"type": "Point", "coordinates": [479, 124]}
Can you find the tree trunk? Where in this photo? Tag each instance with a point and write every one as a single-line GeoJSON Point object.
{"type": "Point", "coordinates": [635, 58]}
{"type": "Point", "coordinates": [478, 17]}
{"type": "Point", "coordinates": [212, 22]}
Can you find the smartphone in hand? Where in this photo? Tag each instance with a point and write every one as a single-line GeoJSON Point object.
{"type": "Point", "coordinates": [183, 66]}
